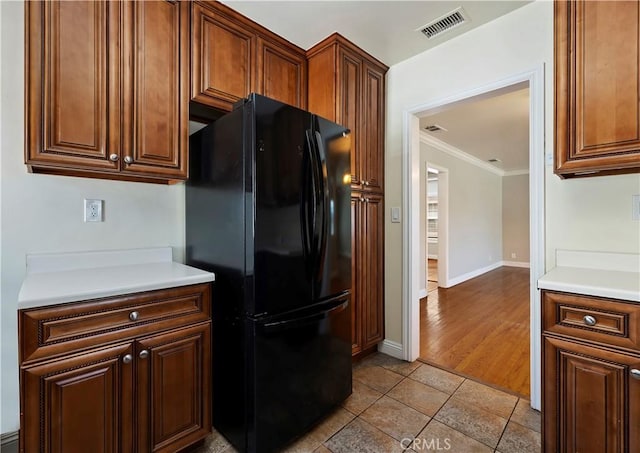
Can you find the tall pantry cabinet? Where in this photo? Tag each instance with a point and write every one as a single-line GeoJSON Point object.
{"type": "Point", "coordinates": [347, 85]}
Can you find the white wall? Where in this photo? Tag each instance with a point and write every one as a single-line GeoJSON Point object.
{"type": "Point", "coordinates": [475, 213]}
{"type": "Point", "coordinates": [515, 218]}
{"type": "Point", "coordinates": [588, 214]}
{"type": "Point", "coordinates": [44, 213]}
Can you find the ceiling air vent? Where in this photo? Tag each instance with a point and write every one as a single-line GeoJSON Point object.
{"type": "Point", "coordinates": [435, 128]}
{"type": "Point", "coordinates": [494, 160]}
{"type": "Point", "coordinates": [445, 23]}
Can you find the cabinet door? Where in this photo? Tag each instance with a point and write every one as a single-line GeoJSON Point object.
{"type": "Point", "coordinates": [282, 74]}
{"type": "Point", "coordinates": [72, 89]}
{"type": "Point", "coordinates": [156, 110]}
{"type": "Point", "coordinates": [591, 402]}
{"type": "Point", "coordinates": [174, 389]}
{"type": "Point", "coordinates": [222, 58]}
{"type": "Point", "coordinates": [349, 107]}
{"type": "Point", "coordinates": [77, 404]}
{"type": "Point", "coordinates": [356, 276]}
{"type": "Point", "coordinates": [597, 86]}
{"type": "Point", "coordinates": [372, 269]}
{"type": "Point", "coordinates": [372, 145]}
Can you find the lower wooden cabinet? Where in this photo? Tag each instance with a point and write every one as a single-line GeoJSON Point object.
{"type": "Point", "coordinates": [146, 392]}
{"type": "Point", "coordinates": [591, 391]}
{"type": "Point", "coordinates": [367, 244]}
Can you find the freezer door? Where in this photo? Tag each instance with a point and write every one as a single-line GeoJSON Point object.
{"type": "Point", "coordinates": [332, 144]}
{"type": "Point", "coordinates": [302, 370]}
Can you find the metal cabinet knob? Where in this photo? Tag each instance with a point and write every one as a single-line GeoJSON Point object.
{"type": "Point", "coordinates": [366, 183]}
{"type": "Point", "coordinates": [134, 315]}
{"type": "Point", "coordinates": [590, 320]}
{"type": "Point", "coordinates": [127, 358]}
{"type": "Point", "coordinates": [635, 373]}
{"type": "Point", "coordinates": [114, 157]}
{"type": "Point", "coordinates": [143, 354]}
{"type": "Point", "coordinates": [128, 159]}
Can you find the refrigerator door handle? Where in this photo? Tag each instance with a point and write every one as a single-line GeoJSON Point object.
{"type": "Point", "coordinates": [308, 209]}
{"type": "Point", "coordinates": [324, 191]}
{"type": "Point", "coordinates": [277, 326]}
{"type": "Point", "coordinates": [316, 189]}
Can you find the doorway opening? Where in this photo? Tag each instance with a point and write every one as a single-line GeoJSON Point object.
{"type": "Point", "coordinates": [453, 275]}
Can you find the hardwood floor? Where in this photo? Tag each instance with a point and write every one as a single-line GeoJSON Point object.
{"type": "Point", "coordinates": [480, 328]}
{"type": "Point", "coordinates": [432, 275]}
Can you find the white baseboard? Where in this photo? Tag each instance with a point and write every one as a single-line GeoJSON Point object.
{"type": "Point", "coordinates": [432, 257]}
{"type": "Point", "coordinates": [469, 275]}
{"type": "Point", "coordinates": [422, 294]}
{"type": "Point", "coordinates": [391, 348]}
{"type": "Point", "coordinates": [6, 440]}
{"type": "Point", "coordinates": [516, 264]}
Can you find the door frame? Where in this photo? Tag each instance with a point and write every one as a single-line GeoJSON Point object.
{"type": "Point", "coordinates": [411, 206]}
{"type": "Point", "coordinates": [443, 224]}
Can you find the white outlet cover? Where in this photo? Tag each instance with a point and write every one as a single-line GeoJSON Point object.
{"type": "Point", "coordinates": [93, 210]}
{"type": "Point", "coordinates": [636, 207]}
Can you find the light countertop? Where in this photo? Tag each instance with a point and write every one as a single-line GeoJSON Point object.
{"type": "Point", "coordinates": [60, 278]}
{"type": "Point", "coordinates": [592, 274]}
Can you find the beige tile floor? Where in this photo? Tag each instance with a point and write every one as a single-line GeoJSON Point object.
{"type": "Point", "coordinates": [398, 406]}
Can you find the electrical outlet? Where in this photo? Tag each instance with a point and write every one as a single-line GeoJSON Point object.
{"type": "Point", "coordinates": [513, 255]}
{"type": "Point", "coordinates": [92, 210]}
{"type": "Point", "coordinates": [636, 207]}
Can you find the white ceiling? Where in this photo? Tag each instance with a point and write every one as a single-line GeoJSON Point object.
{"type": "Point", "coordinates": [493, 127]}
{"type": "Point", "coordinates": [385, 29]}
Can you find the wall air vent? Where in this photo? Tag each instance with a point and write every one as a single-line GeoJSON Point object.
{"type": "Point", "coordinates": [435, 128]}
{"type": "Point", "coordinates": [445, 23]}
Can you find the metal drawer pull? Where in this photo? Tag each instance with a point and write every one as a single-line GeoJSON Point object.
{"type": "Point", "coordinates": [133, 316]}
{"type": "Point", "coordinates": [635, 373]}
{"type": "Point", "coordinates": [127, 358]}
{"type": "Point", "coordinates": [590, 320]}
{"type": "Point", "coordinates": [143, 354]}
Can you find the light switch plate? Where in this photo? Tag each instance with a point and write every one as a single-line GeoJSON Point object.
{"type": "Point", "coordinates": [395, 214]}
{"type": "Point", "coordinates": [92, 210]}
{"type": "Point", "coordinates": [636, 207]}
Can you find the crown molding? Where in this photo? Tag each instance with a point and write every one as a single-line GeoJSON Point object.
{"type": "Point", "coordinates": [457, 152]}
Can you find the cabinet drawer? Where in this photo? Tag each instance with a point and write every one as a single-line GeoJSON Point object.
{"type": "Point", "coordinates": [606, 321]}
{"type": "Point", "coordinates": [60, 329]}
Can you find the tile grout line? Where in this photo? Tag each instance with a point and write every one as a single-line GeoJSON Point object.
{"type": "Point", "coordinates": [507, 424]}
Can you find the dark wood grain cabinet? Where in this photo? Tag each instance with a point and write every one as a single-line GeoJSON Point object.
{"type": "Point", "coordinates": [597, 87]}
{"type": "Point", "coordinates": [106, 91]}
{"type": "Point", "coordinates": [346, 85]}
{"type": "Point", "coordinates": [121, 374]}
{"type": "Point", "coordinates": [232, 56]}
{"type": "Point", "coordinates": [367, 270]}
{"type": "Point", "coordinates": [591, 369]}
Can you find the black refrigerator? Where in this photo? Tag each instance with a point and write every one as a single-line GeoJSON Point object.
{"type": "Point", "coordinates": [268, 211]}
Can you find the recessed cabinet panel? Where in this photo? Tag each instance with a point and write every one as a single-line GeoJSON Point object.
{"type": "Point", "coordinates": [597, 87]}
{"type": "Point", "coordinates": [373, 266]}
{"type": "Point", "coordinates": [372, 146]}
{"type": "Point", "coordinates": [282, 74]}
{"type": "Point", "coordinates": [171, 380]}
{"type": "Point", "coordinates": [67, 110]}
{"type": "Point", "coordinates": [157, 139]}
{"type": "Point", "coordinates": [222, 59]}
{"type": "Point", "coordinates": [350, 74]}
{"type": "Point", "coordinates": [356, 263]}
{"type": "Point", "coordinates": [82, 403]}
{"type": "Point", "coordinates": [591, 401]}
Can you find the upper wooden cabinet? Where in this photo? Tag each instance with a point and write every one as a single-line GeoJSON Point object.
{"type": "Point", "coordinates": [107, 89]}
{"type": "Point", "coordinates": [597, 82]}
{"type": "Point", "coordinates": [346, 85]}
{"type": "Point", "coordinates": [232, 56]}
